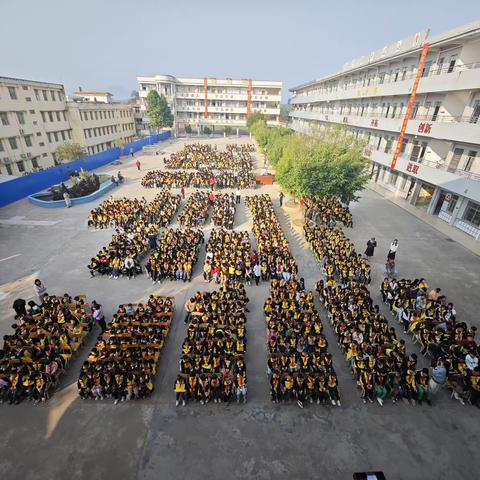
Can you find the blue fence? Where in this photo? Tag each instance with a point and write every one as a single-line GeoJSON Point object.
{"type": "Point", "coordinates": [22, 187]}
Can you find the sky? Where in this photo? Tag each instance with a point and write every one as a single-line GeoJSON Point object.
{"type": "Point", "coordinates": [106, 44]}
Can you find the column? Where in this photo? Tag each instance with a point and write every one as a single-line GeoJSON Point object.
{"type": "Point", "coordinates": [434, 200]}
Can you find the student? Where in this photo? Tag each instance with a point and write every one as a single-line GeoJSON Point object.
{"type": "Point", "coordinates": [98, 315]}
{"type": "Point", "coordinates": [40, 289]}
{"type": "Point", "coordinates": [180, 391]}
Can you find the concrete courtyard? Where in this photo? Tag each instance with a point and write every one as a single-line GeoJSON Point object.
{"type": "Point", "coordinates": [152, 439]}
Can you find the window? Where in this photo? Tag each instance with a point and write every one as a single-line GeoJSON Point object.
{"type": "Point", "coordinates": [472, 214]}
{"type": "Point", "coordinates": [32, 112]}
{"type": "Point", "coordinates": [96, 115]}
{"type": "Point", "coordinates": [49, 136]}
{"type": "Point", "coordinates": [91, 115]}
{"type": "Point", "coordinates": [50, 116]}
{"type": "Point", "coordinates": [44, 154]}
{"type": "Point", "coordinates": [21, 118]}
{"type": "Point", "coordinates": [69, 134]}
{"type": "Point", "coordinates": [20, 166]}
{"type": "Point", "coordinates": [476, 112]}
{"type": "Point", "coordinates": [436, 109]}
{"type": "Point", "coordinates": [39, 134]}
{"type": "Point", "coordinates": [28, 99]}
{"type": "Point", "coordinates": [472, 154]}
{"type": "Point", "coordinates": [13, 143]}
{"type": "Point", "coordinates": [43, 116]}
{"type": "Point", "coordinates": [24, 87]}
{"type": "Point", "coordinates": [4, 118]}
{"type": "Point", "coordinates": [1, 146]}
{"type": "Point", "coordinates": [37, 96]}
{"type": "Point", "coordinates": [41, 144]}
{"type": "Point", "coordinates": [28, 140]}
{"type": "Point", "coordinates": [55, 135]}
{"type": "Point", "coordinates": [13, 93]}
{"type": "Point", "coordinates": [9, 169]}
{"type": "Point", "coordinates": [34, 162]}
{"type": "Point", "coordinates": [63, 135]}
{"type": "Point", "coordinates": [44, 92]}
{"type": "Point", "coordinates": [453, 61]}
{"type": "Point", "coordinates": [57, 114]}
{"type": "Point", "coordinates": [52, 94]}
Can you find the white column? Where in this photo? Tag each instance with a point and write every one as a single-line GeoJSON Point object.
{"type": "Point", "coordinates": [237, 133]}
{"type": "Point", "coordinates": [433, 201]}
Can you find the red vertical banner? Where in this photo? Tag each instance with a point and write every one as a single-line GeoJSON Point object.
{"type": "Point", "coordinates": [249, 97]}
{"type": "Point", "coordinates": [411, 102]}
{"type": "Point", "coordinates": [205, 87]}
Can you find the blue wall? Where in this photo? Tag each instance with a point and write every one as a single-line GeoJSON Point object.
{"type": "Point", "coordinates": [22, 187]}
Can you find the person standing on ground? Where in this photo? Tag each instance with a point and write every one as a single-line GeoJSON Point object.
{"type": "Point", "coordinates": [370, 250]}
{"type": "Point", "coordinates": [137, 163]}
{"type": "Point", "coordinates": [131, 152]}
{"type": "Point", "coordinates": [189, 308]}
{"type": "Point", "coordinates": [212, 182]}
{"type": "Point", "coordinates": [19, 306]}
{"type": "Point", "coordinates": [237, 195]}
{"type": "Point", "coordinates": [66, 197]}
{"type": "Point", "coordinates": [393, 250]}
{"type": "Point", "coordinates": [40, 289]}
{"type": "Point", "coordinates": [182, 191]}
{"type": "Point", "coordinates": [257, 272]}
{"type": "Point", "coordinates": [98, 315]}
{"type": "Point", "coordinates": [281, 198]}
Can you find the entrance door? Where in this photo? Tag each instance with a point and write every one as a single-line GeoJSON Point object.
{"type": "Point", "coordinates": [439, 204]}
{"type": "Point", "coordinates": [476, 112]}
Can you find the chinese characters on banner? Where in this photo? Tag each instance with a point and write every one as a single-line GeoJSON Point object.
{"type": "Point", "coordinates": [412, 168]}
{"type": "Point", "coordinates": [374, 123]}
{"type": "Point", "coordinates": [425, 128]}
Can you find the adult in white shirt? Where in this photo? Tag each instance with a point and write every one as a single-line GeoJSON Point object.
{"type": "Point", "coordinates": [257, 272]}
{"type": "Point", "coordinates": [393, 250]}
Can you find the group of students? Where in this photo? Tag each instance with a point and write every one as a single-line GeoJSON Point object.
{"type": "Point", "coordinates": [135, 230]}
{"type": "Point", "coordinates": [195, 212]}
{"type": "Point", "coordinates": [327, 210]}
{"type": "Point", "coordinates": [204, 156]}
{"type": "Point", "coordinates": [433, 322]}
{"type": "Point", "coordinates": [299, 365]}
{"type": "Point", "coordinates": [198, 179]}
{"type": "Point", "coordinates": [212, 366]}
{"type": "Point", "coordinates": [123, 363]}
{"type": "Point", "coordinates": [223, 214]}
{"type": "Point", "coordinates": [229, 257]}
{"type": "Point", "coordinates": [336, 254]}
{"type": "Point", "coordinates": [44, 340]}
{"type": "Point", "coordinates": [378, 359]}
{"type": "Point", "coordinates": [175, 255]}
{"type": "Point", "coordinates": [275, 260]}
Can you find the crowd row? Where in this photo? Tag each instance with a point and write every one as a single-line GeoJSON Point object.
{"type": "Point", "coordinates": [212, 366]}
{"type": "Point", "coordinates": [198, 156]}
{"type": "Point", "coordinates": [135, 229]}
{"type": "Point", "coordinates": [123, 362]}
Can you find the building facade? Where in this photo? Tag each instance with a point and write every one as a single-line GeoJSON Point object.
{"type": "Point", "coordinates": [213, 101]}
{"type": "Point", "coordinates": [33, 123]}
{"type": "Point", "coordinates": [100, 126]}
{"type": "Point", "coordinates": [438, 166]}
{"type": "Point", "coordinates": [36, 118]}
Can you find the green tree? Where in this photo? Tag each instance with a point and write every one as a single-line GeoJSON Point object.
{"type": "Point", "coordinates": [330, 162]}
{"type": "Point", "coordinates": [69, 151]}
{"type": "Point", "coordinates": [227, 129]}
{"type": "Point", "coordinates": [134, 96]}
{"type": "Point", "coordinates": [284, 111]}
{"type": "Point", "coordinates": [254, 117]}
{"type": "Point", "coordinates": [159, 113]}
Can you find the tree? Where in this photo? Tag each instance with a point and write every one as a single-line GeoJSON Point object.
{"type": "Point", "coordinates": [329, 163]}
{"type": "Point", "coordinates": [134, 96]}
{"type": "Point", "coordinates": [227, 129]}
{"type": "Point", "coordinates": [254, 117]}
{"type": "Point", "coordinates": [69, 151]}
{"type": "Point", "coordinates": [284, 111]}
{"type": "Point", "coordinates": [159, 113]}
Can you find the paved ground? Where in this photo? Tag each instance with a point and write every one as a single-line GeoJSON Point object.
{"type": "Point", "coordinates": [152, 439]}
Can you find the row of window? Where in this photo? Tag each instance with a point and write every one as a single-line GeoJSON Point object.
{"type": "Point", "coordinates": [14, 142]}
{"type": "Point", "coordinates": [428, 111]}
{"type": "Point", "coordinates": [61, 135]}
{"type": "Point", "coordinates": [444, 64]}
{"type": "Point", "coordinates": [103, 114]}
{"type": "Point", "coordinates": [46, 95]}
{"type": "Point", "coordinates": [55, 116]}
{"type": "Point", "coordinates": [99, 131]}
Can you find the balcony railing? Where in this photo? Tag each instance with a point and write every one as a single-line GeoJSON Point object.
{"type": "Point", "coordinates": [433, 71]}
{"type": "Point", "coordinates": [473, 118]}
{"type": "Point", "coordinates": [369, 152]}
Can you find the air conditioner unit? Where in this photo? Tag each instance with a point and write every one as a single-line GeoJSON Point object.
{"type": "Point", "coordinates": [29, 155]}
{"type": "Point", "coordinates": [21, 131]}
{"type": "Point", "coordinates": [6, 160]}
{"type": "Point", "coordinates": [23, 156]}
